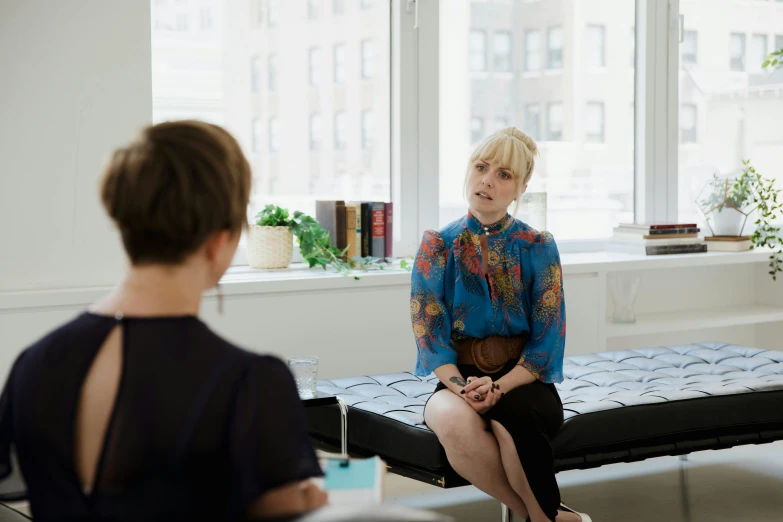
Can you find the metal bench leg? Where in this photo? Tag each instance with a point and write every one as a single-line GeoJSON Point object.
{"type": "Point", "coordinates": [343, 426]}
{"type": "Point", "coordinates": [506, 515]}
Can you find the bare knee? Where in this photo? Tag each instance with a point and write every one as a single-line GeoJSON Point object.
{"type": "Point", "coordinates": [455, 423]}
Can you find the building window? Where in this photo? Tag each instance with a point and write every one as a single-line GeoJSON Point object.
{"type": "Point", "coordinates": [688, 123]}
{"type": "Point", "coordinates": [274, 135]}
{"type": "Point", "coordinates": [737, 52]}
{"type": "Point", "coordinates": [555, 48]}
{"type": "Point", "coordinates": [690, 48]}
{"type": "Point", "coordinates": [257, 131]}
{"type": "Point", "coordinates": [594, 122]}
{"type": "Point", "coordinates": [478, 51]}
{"type": "Point", "coordinates": [314, 9]}
{"type": "Point", "coordinates": [272, 13]}
{"type": "Point", "coordinates": [255, 74]}
{"type": "Point", "coordinates": [779, 40]}
{"type": "Point", "coordinates": [272, 73]}
{"type": "Point", "coordinates": [758, 50]}
{"type": "Point", "coordinates": [366, 4]}
{"type": "Point", "coordinates": [368, 129]}
{"type": "Point", "coordinates": [501, 123]}
{"type": "Point", "coordinates": [182, 23]}
{"type": "Point", "coordinates": [315, 132]}
{"type": "Point", "coordinates": [533, 120]}
{"type": "Point", "coordinates": [339, 63]}
{"type": "Point", "coordinates": [315, 66]}
{"type": "Point", "coordinates": [205, 18]}
{"type": "Point", "coordinates": [259, 12]}
{"type": "Point", "coordinates": [368, 59]}
{"type": "Point", "coordinates": [476, 129]}
{"type": "Point", "coordinates": [596, 46]}
{"type": "Point", "coordinates": [554, 122]}
{"type": "Point", "coordinates": [532, 50]}
{"type": "Point", "coordinates": [338, 7]}
{"type": "Point", "coordinates": [339, 131]}
{"type": "Point", "coordinates": [502, 42]}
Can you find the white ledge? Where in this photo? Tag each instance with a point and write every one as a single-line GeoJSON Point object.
{"type": "Point", "coordinates": [298, 278]}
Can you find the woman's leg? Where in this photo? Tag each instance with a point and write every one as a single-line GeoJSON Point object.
{"type": "Point", "coordinates": [472, 451]}
{"type": "Point", "coordinates": [523, 423]}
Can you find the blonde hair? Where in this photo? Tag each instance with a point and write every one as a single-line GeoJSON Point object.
{"type": "Point", "coordinates": [514, 150]}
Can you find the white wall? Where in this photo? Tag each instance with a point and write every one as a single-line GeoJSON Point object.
{"type": "Point", "coordinates": [75, 83]}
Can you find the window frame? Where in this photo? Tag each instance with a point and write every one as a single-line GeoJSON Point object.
{"type": "Point", "coordinates": [602, 31]}
{"type": "Point", "coordinates": [473, 52]}
{"type": "Point", "coordinates": [528, 34]}
{"type": "Point", "coordinates": [505, 56]}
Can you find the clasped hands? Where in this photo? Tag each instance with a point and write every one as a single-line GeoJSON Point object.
{"type": "Point", "coordinates": [481, 393]}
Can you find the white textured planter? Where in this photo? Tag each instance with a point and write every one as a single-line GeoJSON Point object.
{"type": "Point", "coordinates": [270, 247]}
{"type": "Point", "coordinates": [727, 222]}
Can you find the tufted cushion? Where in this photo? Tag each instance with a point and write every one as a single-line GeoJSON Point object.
{"type": "Point", "coordinates": [639, 403]}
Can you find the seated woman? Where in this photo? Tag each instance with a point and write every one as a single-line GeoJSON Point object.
{"type": "Point", "coordinates": [489, 319]}
{"type": "Point", "coordinates": [136, 410]}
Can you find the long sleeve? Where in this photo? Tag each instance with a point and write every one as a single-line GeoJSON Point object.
{"type": "Point", "coordinates": [543, 352]}
{"type": "Point", "coordinates": [429, 315]}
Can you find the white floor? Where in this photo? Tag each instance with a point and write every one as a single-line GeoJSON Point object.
{"type": "Point", "coordinates": [743, 484]}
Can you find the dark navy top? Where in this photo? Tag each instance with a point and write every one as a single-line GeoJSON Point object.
{"type": "Point", "coordinates": [199, 430]}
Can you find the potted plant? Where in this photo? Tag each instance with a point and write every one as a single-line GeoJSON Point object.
{"type": "Point", "coordinates": [728, 202]}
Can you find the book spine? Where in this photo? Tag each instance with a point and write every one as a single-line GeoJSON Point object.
{"type": "Point", "coordinates": [378, 247]}
{"type": "Point", "coordinates": [672, 231]}
{"type": "Point", "coordinates": [350, 230]}
{"type": "Point", "coordinates": [366, 228]}
{"type": "Point", "coordinates": [675, 249]}
{"type": "Point", "coordinates": [340, 240]}
{"type": "Point", "coordinates": [389, 235]}
{"type": "Point", "coordinates": [326, 215]}
{"type": "Point", "coordinates": [358, 229]}
{"type": "Point", "coordinates": [673, 225]}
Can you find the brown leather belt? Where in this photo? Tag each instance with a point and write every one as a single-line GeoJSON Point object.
{"type": "Point", "coordinates": [489, 354]}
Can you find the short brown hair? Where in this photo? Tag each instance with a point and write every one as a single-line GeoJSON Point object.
{"type": "Point", "coordinates": [173, 186]}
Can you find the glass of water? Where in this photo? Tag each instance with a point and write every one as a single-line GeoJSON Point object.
{"type": "Point", "coordinates": [305, 370]}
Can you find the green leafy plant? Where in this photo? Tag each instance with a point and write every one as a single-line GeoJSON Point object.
{"type": "Point", "coordinates": [315, 243]}
{"type": "Point", "coordinates": [774, 60]}
{"type": "Point", "coordinates": [764, 195]}
{"type": "Point", "coordinates": [727, 192]}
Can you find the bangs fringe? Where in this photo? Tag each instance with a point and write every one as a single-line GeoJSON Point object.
{"type": "Point", "coordinates": [505, 150]}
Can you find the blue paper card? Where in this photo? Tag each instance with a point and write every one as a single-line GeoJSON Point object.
{"type": "Point", "coordinates": [359, 474]}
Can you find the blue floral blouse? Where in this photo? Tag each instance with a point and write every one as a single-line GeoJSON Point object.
{"type": "Point", "coordinates": [521, 295]}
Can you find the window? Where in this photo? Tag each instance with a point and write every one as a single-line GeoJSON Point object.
{"type": "Point", "coordinates": [368, 59]}
{"type": "Point", "coordinates": [339, 131]}
{"type": "Point", "coordinates": [259, 4]}
{"type": "Point", "coordinates": [205, 18]}
{"type": "Point", "coordinates": [338, 7]}
{"type": "Point", "coordinates": [272, 12]}
{"type": "Point", "coordinates": [500, 123]}
{"type": "Point", "coordinates": [737, 52]}
{"type": "Point", "coordinates": [727, 117]}
{"type": "Point", "coordinates": [255, 74]}
{"type": "Point", "coordinates": [339, 63]}
{"type": "Point", "coordinates": [274, 135]}
{"type": "Point", "coordinates": [779, 40]}
{"type": "Point", "coordinates": [314, 8]}
{"type": "Point", "coordinates": [182, 23]}
{"type": "Point", "coordinates": [368, 130]}
{"type": "Point", "coordinates": [561, 112]}
{"type": "Point", "coordinates": [690, 48]}
{"type": "Point", "coordinates": [554, 122]}
{"type": "Point", "coordinates": [315, 132]}
{"type": "Point", "coordinates": [532, 51]}
{"type": "Point", "coordinates": [315, 66]}
{"type": "Point", "coordinates": [478, 51]}
{"type": "Point", "coordinates": [257, 130]}
{"type": "Point", "coordinates": [533, 120]}
{"type": "Point", "coordinates": [688, 123]}
{"type": "Point", "coordinates": [555, 48]}
{"type": "Point", "coordinates": [272, 73]}
{"type": "Point", "coordinates": [476, 129]}
{"type": "Point", "coordinates": [596, 46]}
{"type": "Point", "coordinates": [758, 51]}
{"type": "Point", "coordinates": [502, 52]}
{"type": "Point", "coordinates": [594, 122]}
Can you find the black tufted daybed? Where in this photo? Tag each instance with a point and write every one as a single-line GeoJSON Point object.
{"type": "Point", "coordinates": [620, 406]}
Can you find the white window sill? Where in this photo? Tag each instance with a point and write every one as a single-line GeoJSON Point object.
{"type": "Point", "coordinates": [298, 278]}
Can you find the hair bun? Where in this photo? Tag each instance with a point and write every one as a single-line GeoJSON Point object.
{"type": "Point", "coordinates": [524, 138]}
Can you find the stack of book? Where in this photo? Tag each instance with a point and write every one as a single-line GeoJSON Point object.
{"type": "Point", "coordinates": [657, 239]}
{"type": "Point", "coordinates": [728, 243]}
{"type": "Point", "coordinates": [364, 228]}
